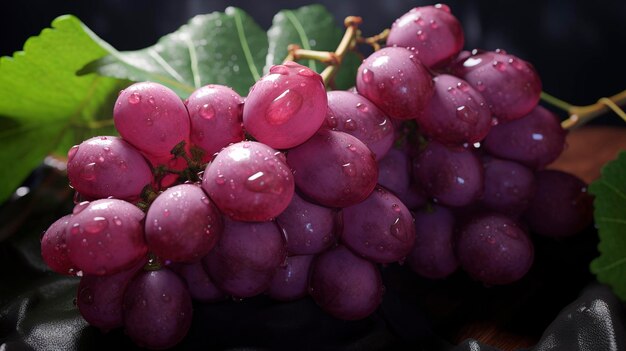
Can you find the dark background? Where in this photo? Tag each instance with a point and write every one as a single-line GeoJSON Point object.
{"type": "Point", "coordinates": [578, 47]}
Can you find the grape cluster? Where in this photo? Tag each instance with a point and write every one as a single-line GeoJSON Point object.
{"type": "Point", "coordinates": [437, 157]}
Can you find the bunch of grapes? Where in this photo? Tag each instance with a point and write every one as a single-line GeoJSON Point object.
{"type": "Point", "coordinates": [437, 157]}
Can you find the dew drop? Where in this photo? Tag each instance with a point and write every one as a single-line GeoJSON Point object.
{"type": "Point", "coordinates": [279, 69]}
{"type": "Point", "coordinates": [480, 86]}
{"type": "Point", "coordinates": [134, 98]}
{"type": "Point", "coordinates": [443, 7]}
{"type": "Point", "coordinates": [350, 124]}
{"type": "Point", "coordinates": [464, 87]}
{"type": "Point", "coordinates": [96, 225]}
{"type": "Point", "coordinates": [283, 107]}
{"type": "Point", "coordinates": [220, 179]}
{"type": "Point", "coordinates": [362, 107]}
{"type": "Point", "coordinates": [80, 207]}
{"type": "Point", "coordinates": [207, 112]}
{"type": "Point", "coordinates": [75, 230]}
{"type": "Point", "coordinates": [117, 221]}
{"type": "Point", "coordinates": [368, 75]}
{"type": "Point", "coordinates": [434, 24]}
{"type": "Point", "coordinates": [71, 153]}
{"type": "Point", "coordinates": [166, 213]}
{"type": "Point", "coordinates": [467, 114]}
{"type": "Point", "coordinates": [331, 121]}
{"type": "Point", "coordinates": [306, 72]}
{"type": "Point", "coordinates": [421, 35]}
{"type": "Point", "coordinates": [89, 171]}
{"type": "Point", "coordinates": [396, 207]}
{"type": "Point", "coordinates": [398, 231]}
{"type": "Point", "coordinates": [498, 65]}
{"type": "Point", "coordinates": [349, 169]}
{"type": "Point", "coordinates": [122, 164]}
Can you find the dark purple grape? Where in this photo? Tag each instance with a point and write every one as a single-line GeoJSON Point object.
{"type": "Point", "coordinates": [354, 114]}
{"type": "Point", "coordinates": [451, 176]}
{"type": "Point", "coordinates": [249, 181]}
{"type": "Point", "coordinates": [108, 166]}
{"type": "Point", "coordinates": [182, 224]}
{"type": "Point", "coordinates": [246, 257]}
{"type": "Point", "coordinates": [394, 173]}
{"type": "Point", "coordinates": [54, 247]}
{"type": "Point", "coordinates": [334, 168]}
{"type": "Point", "coordinates": [200, 286]}
{"type": "Point", "coordinates": [535, 140]}
{"type": "Point", "coordinates": [291, 280]}
{"type": "Point", "coordinates": [433, 254]}
{"type": "Point", "coordinates": [494, 249]}
{"type": "Point", "coordinates": [215, 112]}
{"type": "Point", "coordinates": [561, 206]}
{"type": "Point", "coordinates": [380, 228]}
{"type": "Point", "coordinates": [285, 107]}
{"type": "Point", "coordinates": [157, 309]}
{"type": "Point", "coordinates": [510, 85]}
{"type": "Point", "coordinates": [396, 81]}
{"type": "Point", "coordinates": [431, 31]}
{"type": "Point", "coordinates": [456, 114]}
{"type": "Point", "coordinates": [344, 285]}
{"type": "Point", "coordinates": [509, 186]}
{"type": "Point", "coordinates": [308, 228]}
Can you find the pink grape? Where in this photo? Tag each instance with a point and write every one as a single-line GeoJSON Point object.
{"type": "Point", "coordinates": [106, 236]}
{"type": "Point", "coordinates": [285, 107]}
{"type": "Point", "coordinates": [183, 224]}
{"type": "Point", "coordinates": [54, 247]}
{"type": "Point", "coordinates": [249, 181]}
{"type": "Point", "coordinates": [216, 118]}
{"type": "Point", "coordinates": [432, 32]}
{"type": "Point", "coordinates": [334, 168]}
{"type": "Point", "coordinates": [395, 80]}
{"type": "Point", "coordinates": [106, 166]}
{"type": "Point", "coordinates": [291, 281]}
{"type": "Point", "coordinates": [394, 173]}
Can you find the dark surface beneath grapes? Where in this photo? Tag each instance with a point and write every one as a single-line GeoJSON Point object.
{"type": "Point", "coordinates": [37, 310]}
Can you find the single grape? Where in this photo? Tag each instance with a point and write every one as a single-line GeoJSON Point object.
{"type": "Point", "coordinates": [54, 247]}
{"type": "Point", "coordinates": [344, 285]}
{"type": "Point", "coordinates": [509, 186]}
{"type": "Point", "coordinates": [456, 114]}
{"type": "Point", "coordinates": [245, 259]}
{"type": "Point", "coordinates": [157, 309]}
{"type": "Point", "coordinates": [200, 285]}
{"type": "Point", "coordinates": [394, 173]}
{"type": "Point", "coordinates": [433, 255]}
{"type": "Point", "coordinates": [380, 228]}
{"type": "Point", "coordinates": [100, 298]}
{"type": "Point", "coordinates": [152, 118]}
{"type": "Point", "coordinates": [216, 118]}
{"type": "Point", "coordinates": [432, 32]}
{"type": "Point", "coordinates": [396, 81]}
{"type": "Point", "coordinates": [354, 114]}
{"type": "Point", "coordinates": [285, 107]}
{"type": "Point", "coordinates": [451, 176]}
{"type": "Point", "coordinates": [291, 281]}
{"type": "Point", "coordinates": [535, 140]}
{"type": "Point", "coordinates": [183, 224]}
{"type": "Point", "coordinates": [561, 207]}
{"type": "Point", "coordinates": [334, 168]}
{"type": "Point", "coordinates": [105, 236]}
{"type": "Point", "coordinates": [249, 181]}
{"type": "Point", "coordinates": [308, 228]}
{"type": "Point", "coordinates": [494, 249]}
{"type": "Point", "coordinates": [510, 85]}
{"type": "Point", "coordinates": [108, 166]}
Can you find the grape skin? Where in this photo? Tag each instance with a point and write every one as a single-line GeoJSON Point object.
{"type": "Point", "coordinates": [291, 280]}
{"type": "Point", "coordinates": [201, 287]}
{"type": "Point", "coordinates": [54, 247]}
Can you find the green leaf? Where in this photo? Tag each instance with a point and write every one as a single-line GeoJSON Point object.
{"type": "Point", "coordinates": [226, 48]}
{"type": "Point", "coordinates": [610, 218]}
{"type": "Point", "coordinates": [44, 106]}
{"type": "Point", "coordinates": [312, 28]}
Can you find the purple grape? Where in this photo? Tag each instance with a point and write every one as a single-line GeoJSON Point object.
{"type": "Point", "coordinates": [396, 81]}
{"type": "Point", "coordinates": [380, 228]}
{"type": "Point", "coordinates": [509, 186]}
{"type": "Point", "coordinates": [494, 249]}
{"type": "Point", "coordinates": [456, 114]}
{"type": "Point", "coordinates": [291, 281]}
{"type": "Point", "coordinates": [344, 285]}
{"type": "Point", "coordinates": [54, 247]}
{"type": "Point", "coordinates": [106, 166]}
{"type": "Point", "coordinates": [157, 309]}
{"type": "Point", "coordinates": [182, 224]}
{"type": "Point", "coordinates": [561, 207]}
{"type": "Point", "coordinates": [432, 32]}
{"type": "Point", "coordinates": [100, 298]}
{"type": "Point", "coordinates": [394, 173]}
{"type": "Point", "coordinates": [334, 168]}
{"type": "Point", "coordinates": [216, 118]}
{"type": "Point", "coordinates": [308, 228]}
{"type": "Point", "coordinates": [433, 254]}
{"type": "Point", "coordinates": [246, 257]}
{"type": "Point", "coordinates": [285, 107]}
{"type": "Point", "coordinates": [510, 85]}
{"type": "Point", "coordinates": [354, 114]}
{"type": "Point", "coordinates": [535, 140]}
{"type": "Point", "coordinates": [451, 176]}
{"type": "Point", "coordinates": [106, 236]}
{"type": "Point", "coordinates": [152, 118]}
{"type": "Point", "coordinates": [249, 181]}
{"type": "Point", "coordinates": [200, 286]}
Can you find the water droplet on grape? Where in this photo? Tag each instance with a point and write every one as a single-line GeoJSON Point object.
{"type": "Point", "coordinates": [480, 86]}
{"type": "Point", "coordinates": [220, 179]}
{"type": "Point", "coordinates": [89, 171]}
{"type": "Point", "coordinates": [283, 107]}
{"type": "Point", "coordinates": [349, 169]}
{"type": "Point", "coordinates": [498, 65]}
{"type": "Point", "coordinates": [368, 75]}
{"type": "Point", "coordinates": [71, 153]}
{"type": "Point", "coordinates": [166, 212]}
{"type": "Point", "coordinates": [96, 225]}
{"type": "Point", "coordinates": [434, 24]}
{"type": "Point", "coordinates": [306, 72]}
{"type": "Point", "coordinates": [80, 207]}
{"type": "Point", "coordinates": [279, 69]}
{"type": "Point", "coordinates": [207, 112]}
{"type": "Point", "coordinates": [467, 114]}
{"type": "Point", "coordinates": [396, 207]}
{"type": "Point", "coordinates": [421, 35]}
{"type": "Point", "coordinates": [350, 124]}
{"type": "Point", "coordinates": [362, 107]}
{"type": "Point", "coordinates": [398, 231]}
{"type": "Point", "coordinates": [464, 87]}
{"type": "Point", "coordinates": [443, 7]}
{"type": "Point", "coordinates": [134, 98]}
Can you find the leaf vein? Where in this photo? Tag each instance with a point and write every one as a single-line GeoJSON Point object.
{"type": "Point", "coordinates": [304, 39]}
{"type": "Point", "coordinates": [166, 66]}
{"type": "Point", "coordinates": [245, 47]}
{"type": "Point", "coordinates": [614, 189]}
{"type": "Point", "coordinates": [193, 56]}
{"type": "Point", "coordinates": [612, 265]}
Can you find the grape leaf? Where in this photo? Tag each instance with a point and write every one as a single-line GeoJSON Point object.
{"type": "Point", "coordinates": [313, 28]}
{"type": "Point", "coordinates": [226, 48]}
{"type": "Point", "coordinates": [44, 106]}
{"type": "Point", "coordinates": [610, 219]}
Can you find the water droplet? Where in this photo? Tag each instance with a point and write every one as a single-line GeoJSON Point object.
{"type": "Point", "coordinates": [263, 182]}
{"type": "Point", "coordinates": [96, 225]}
{"type": "Point", "coordinates": [207, 112]}
{"type": "Point", "coordinates": [350, 124]}
{"type": "Point", "coordinates": [464, 87]}
{"type": "Point", "coordinates": [331, 121]}
{"type": "Point", "coordinates": [106, 149]}
{"type": "Point", "coordinates": [220, 179]}
{"type": "Point", "coordinates": [306, 72]}
{"type": "Point", "coordinates": [89, 171]}
{"type": "Point", "coordinates": [500, 51]}
{"type": "Point", "coordinates": [421, 35]}
{"type": "Point", "coordinates": [467, 114]}
{"type": "Point", "coordinates": [480, 86]}
{"type": "Point", "coordinates": [75, 230]}
{"type": "Point", "coordinates": [362, 107]}
{"type": "Point", "coordinates": [122, 164]}
{"type": "Point", "coordinates": [398, 230]}
{"type": "Point", "coordinates": [283, 107]}
{"type": "Point", "coordinates": [434, 24]}
{"type": "Point", "coordinates": [498, 65]}
{"type": "Point", "coordinates": [351, 147]}
{"type": "Point", "coordinates": [443, 7]}
{"type": "Point", "coordinates": [71, 153]}
{"type": "Point", "coordinates": [117, 221]}
{"type": "Point", "coordinates": [279, 69]}
{"type": "Point", "coordinates": [166, 298]}
{"type": "Point", "coordinates": [396, 207]}
{"type": "Point", "coordinates": [134, 98]}
{"type": "Point", "coordinates": [166, 212]}
{"type": "Point", "coordinates": [349, 169]}
{"type": "Point", "coordinates": [80, 207]}
{"type": "Point", "coordinates": [100, 159]}
{"type": "Point", "coordinates": [368, 75]}
{"type": "Point", "coordinates": [205, 200]}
